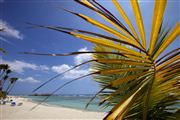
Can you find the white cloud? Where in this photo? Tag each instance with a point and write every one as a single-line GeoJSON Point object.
{"type": "Point", "coordinates": [29, 80]}
{"type": "Point", "coordinates": [75, 73]}
{"type": "Point", "coordinates": [20, 66]}
{"type": "Point", "coordinates": [9, 31]}
{"type": "Point", "coordinates": [43, 67]}
{"type": "Point", "coordinates": [60, 68]}
{"type": "Point", "coordinates": [82, 57]}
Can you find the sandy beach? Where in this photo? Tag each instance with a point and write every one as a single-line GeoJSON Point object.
{"type": "Point", "coordinates": [46, 112]}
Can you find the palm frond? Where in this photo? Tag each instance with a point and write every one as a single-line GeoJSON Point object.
{"type": "Point", "coordinates": [134, 80]}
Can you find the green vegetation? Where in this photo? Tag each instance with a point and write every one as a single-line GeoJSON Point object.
{"type": "Point", "coordinates": [4, 78]}
{"type": "Point", "coordinates": [135, 79]}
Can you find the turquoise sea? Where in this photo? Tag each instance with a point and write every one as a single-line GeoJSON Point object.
{"type": "Point", "coordinates": [71, 101]}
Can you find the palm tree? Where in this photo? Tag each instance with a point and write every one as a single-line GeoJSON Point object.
{"type": "Point", "coordinates": [135, 79]}
{"type": "Point", "coordinates": [11, 85]}
{"type": "Point", "coordinates": [4, 71]}
{"type": "Point", "coordinates": [4, 76]}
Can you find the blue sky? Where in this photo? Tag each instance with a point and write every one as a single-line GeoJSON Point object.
{"type": "Point", "coordinates": [33, 70]}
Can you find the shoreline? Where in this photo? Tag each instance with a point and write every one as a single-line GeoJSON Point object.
{"type": "Point", "coordinates": [45, 111]}
{"type": "Point", "coordinates": [53, 105]}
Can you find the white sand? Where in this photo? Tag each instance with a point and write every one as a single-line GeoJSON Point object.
{"type": "Point", "coordinates": [45, 112]}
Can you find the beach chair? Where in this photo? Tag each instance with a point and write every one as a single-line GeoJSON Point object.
{"type": "Point", "coordinates": [13, 103]}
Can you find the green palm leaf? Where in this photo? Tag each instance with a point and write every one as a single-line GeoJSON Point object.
{"type": "Point", "coordinates": [135, 81]}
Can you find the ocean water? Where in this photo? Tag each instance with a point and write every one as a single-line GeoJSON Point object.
{"type": "Point", "coordinates": [71, 101]}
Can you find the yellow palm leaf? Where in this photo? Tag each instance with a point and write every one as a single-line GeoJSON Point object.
{"type": "Point", "coordinates": [139, 81]}
{"type": "Point", "coordinates": [107, 44]}
{"type": "Point", "coordinates": [159, 9]}
{"type": "Point", "coordinates": [138, 58]}
{"type": "Point", "coordinates": [170, 38]}
{"type": "Point", "coordinates": [125, 17]}
{"type": "Point", "coordinates": [119, 110]}
{"type": "Point", "coordinates": [109, 20]}
{"type": "Point", "coordinates": [126, 62]}
{"type": "Point", "coordinates": [107, 29]}
{"type": "Point", "coordinates": [115, 71]}
{"type": "Point", "coordinates": [139, 21]}
{"type": "Point", "coordinates": [175, 59]}
{"type": "Point", "coordinates": [129, 78]}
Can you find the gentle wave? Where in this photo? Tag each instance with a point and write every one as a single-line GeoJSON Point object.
{"type": "Point", "coordinates": [71, 101]}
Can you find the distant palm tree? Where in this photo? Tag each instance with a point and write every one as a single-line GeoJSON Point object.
{"type": "Point", "coordinates": [135, 79]}
{"type": "Point", "coordinates": [11, 85]}
{"type": "Point", "coordinates": [4, 71]}
{"type": "Point", "coordinates": [4, 76]}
